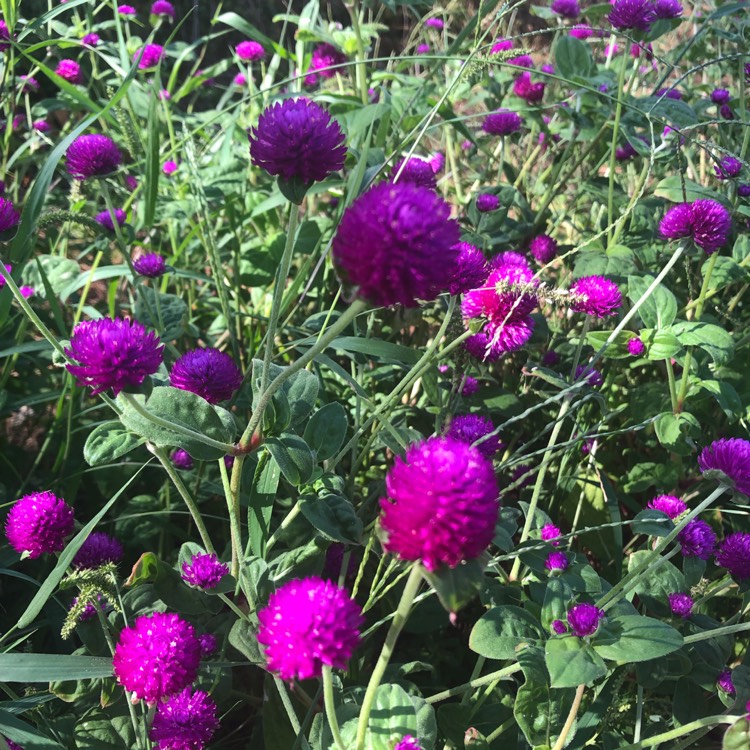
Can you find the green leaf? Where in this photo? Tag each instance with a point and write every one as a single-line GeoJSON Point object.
{"type": "Point", "coordinates": [726, 396]}
{"type": "Point", "coordinates": [185, 409]}
{"type": "Point", "coordinates": [24, 734]}
{"type": "Point", "coordinates": [262, 495]}
{"type": "Point", "coordinates": [376, 349]}
{"type": "Point", "coordinates": [660, 309]}
{"type": "Point", "coordinates": [333, 516]}
{"type": "Point", "coordinates": [58, 271]}
{"type": "Point", "coordinates": [726, 271]}
{"type": "Point", "coordinates": [107, 442]}
{"type": "Point", "coordinates": [711, 338]}
{"type": "Point", "coordinates": [671, 189]}
{"type": "Point", "coordinates": [301, 394]}
{"type": "Point", "coordinates": [457, 586]}
{"type": "Point", "coordinates": [244, 637]}
{"type": "Point", "coordinates": [152, 172]}
{"type": "Point", "coordinates": [677, 431]}
{"type": "Point", "coordinates": [326, 430]}
{"type": "Point", "coordinates": [737, 737]}
{"type": "Point", "coordinates": [571, 661]}
{"type": "Point", "coordinates": [573, 58]}
{"type": "Point", "coordinates": [49, 667]}
{"type": "Point", "coordinates": [617, 349]}
{"type": "Point", "coordinates": [294, 457]}
{"type": "Point", "coordinates": [632, 638]}
{"type": "Point", "coordinates": [652, 522]}
{"type": "Point", "coordinates": [167, 314]}
{"type": "Point", "coordinates": [660, 344]}
{"type": "Point", "coordinates": [502, 631]}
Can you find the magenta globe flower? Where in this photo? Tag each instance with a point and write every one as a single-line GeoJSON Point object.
{"type": "Point", "coordinates": [734, 555]}
{"type": "Point", "coordinates": [126, 10]}
{"type": "Point", "coordinates": [584, 619]}
{"type": "Point", "coordinates": [668, 8]}
{"type": "Point", "coordinates": [187, 721]}
{"type": "Point", "coordinates": [442, 504]}
{"type": "Point", "coordinates": [163, 8]}
{"type": "Point", "coordinates": [725, 683]}
{"type": "Point", "coordinates": [150, 265]}
{"type": "Point", "coordinates": [208, 644]}
{"type": "Point", "coordinates": [469, 428]}
{"type": "Point", "coordinates": [550, 533]}
{"type": "Point", "coordinates": [98, 549]}
{"type": "Point", "coordinates": [487, 202]}
{"type": "Point", "coordinates": [471, 269]}
{"type": "Point", "coordinates": [324, 63]}
{"type": "Point", "coordinates": [249, 51]}
{"type": "Point", "coordinates": [566, 8]}
{"type": "Point", "coordinates": [501, 45]}
{"type": "Point", "coordinates": [307, 624]}
{"type": "Point", "coordinates": [556, 562]}
{"type": "Point", "coordinates": [502, 122]}
{"type": "Point", "coordinates": [697, 539]}
{"type": "Point", "coordinates": [70, 71]}
{"type": "Point", "coordinates": [731, 457]}
{"type": "Point", "coordinates": [4, 36]}
{"type": "Point", "coordinates": [204, 571]}
{"type": "Point", "coordinates": [181, 459]}
{"type": "Point", "coordinates": [210, 373]}
{"type": "Point", "coordinates": [149, 56]}
{"type": "Point", "coordinates": [705, 221]}
{"type": "Point", "coordinates": [728, 168]}
{"type": "Point", "coordinates": [157, 656]}
{"type": "Point", "coordinates": [530, 92]}
{"type": "Point", "coordinates": [39, 524]}
{"type": "Point", "coordinates": [681, 604]}
{"type": "Point", "coordinates": [104, 219]}
{"type": "Point", "coordinates": [596, 296]}
{"type": "Point", "coordinates": [408, 742]}
{"type": "Point", "coordinates": [414, 170]}
{"type": "Point", "coordinates": [637, 15]}
{"type": "Point", "coordinates": [11, 745]}
{"type": "Point", "coordinates": [114, 354]}
{"type": "Point", "coordinates": [543, 248]}
{"type": "Point", "coordinates": [9, 217]}
{"type": "Point", "coordinates": [636, 347]}
{"type": "Point", "coordinates": [397, 244]}
{"type": "Point", "coordinates": [92, 156]}
{"type": "Point", "coordinates": [296, 140]}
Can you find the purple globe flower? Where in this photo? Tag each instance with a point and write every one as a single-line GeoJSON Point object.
{"type": "Point", "coordinates": [104, 219]}
{"type": "Point", "coordinates": [324, 63]}
{"type": "Point", "coordinates": [550, 533]}
{"type": "Point", "coordinates": [725, 683]}
{"type": "Point", "coordinates": [157, 656]}
{"type": "Point", "coordinates": [468, 428]}
{"type": "Point", "coordinates": [250, 51]}
{"type": "Point", "coordinates": [414, 170]}
{"type": "Point", "coordinates": [728, 168]}
{"type": "Point", "coordinates": [90, 40]}
{"type": "Point", "coordinates": [423, 49]}
{"type": "Point", "coordinates": [434, 23]}
{"type": "Point", "coordinates": [584, 619]}
{"type": "Point", "coordinates": [28, 84]}
{"type": "Point", "coordinates": [169, 167]}
{"type": "Point", "coordinates": [126, 10]}
{"type": "Point", "coordinates": [41, 126]}
{"type": "Point", "coordinates": [566, 8]}
{"type": "Point", "coordinates": [501, 45]}
{"type": "Point", "coordinates": [163, 8]}
{"type": "Point", "coordinates": [510, 258]}
{"type": "Point", "coordinates": [98, 549]}
{"type": "Point", "coordinates": [532, 93]}
{"type": "Point", "coordinates": [522, 61]}
{"type": "Point", "coordinates": [92, 156]}
{"type": "Point", "coordinates": [636, 347]}
{"type": "Point", "coordinates": [208, 645]}
{"type": "Point", "coordinates": [307, 624]}
{"type": "Point", "coordinates": [502, 122]}
{"type": "Point", "coordinates": [677, 222]}
{"type": "Point", "coordinates": [470, 386]}
{"type": "Point", "coordinates": [408, 742]}
{"type": "Point", "coordinates": [559, 627]}
{"type": "Point", "coordinates": [543, 248]}
{"type": "Point", "coordinates": [297, 140]}
{"type": "Point", "coordinates": [70, 71]}
{"type": "Point", "coordinates": [581, 32]}
{"type": "Point", "coordinates": [5, 37]}
{"type": "Point", "coordinates": [11, 745]}
{"type": "Point", "coordinates": [589, 375]}
{"type": "Point", "coordinates": [471, 269]}
{"type": "Point", "coordinates": [151, 265]}
{"type": "Point", "coordinates": [623, 153]}
{"type": "Point", "coordinates": [187, 721]}
{"type": "Point", "coordinates": [668, 504]}
{"type": "Point", "coordinates": [240, 80]}
{"type": "Point", "coordinates": [149, 56]}
{"type": "Point", "coordinates": [668, 8]}
{"type": "Point", "coordinates": [181, 459]}
{"type": "Point", "coordinates": [556, 562]}
{"type": "Point", "coordinates": [596, 296]}
{"type": "Point", "coordinates": [487, 202]}
{"type": "Point", "coordinates": [734, 555]}
{"type": "Point", "coordinates": [706, 221]}
{"type": "Point", "coordinates": [398, 244]}
{"type": "Point", "coordinates": [479, 347]}
{"type": "Point", "coordinates": [9, 217]}
{"type": "Point", "coordinates": [632, 14]}
{"type": "Point", "coordinates": [210, 373]}
{"type": "Point", "coordinates": [113, 354]}
{"type": "Point", "coordinates": [204, 571]}
{"type": "Point", "coordinates": [697, 539]}
{"type": "Point", "coordinates": [726, 112]}
{"type": "Point", "coordinates": [743, 191]}
{"type": "Point", "coordinates": [442, 504]}
{"type": "Point", "coordinates": [681, 604]}
{"type": "Point", "coordinates": [731, 456]}
{"type": "Point", "coordinates": [39, 523]}
{"type": "Point", "coordinates": [720, 96]}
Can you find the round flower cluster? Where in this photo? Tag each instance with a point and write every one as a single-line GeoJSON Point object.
{"type": "Point", "coordinates": [469, 428]}
{"type": "Point", "coordinates": [637, 15]}
{"type": "Point", "coordinates": [668, 504]}
{"type": "Point", "coordinates": [92, 156]}
{"type": "Point", "coordinates": [104, 219]}
{"type": "Point", "coordinates": [9, 217]}
{"type": "Point", "coordinates": [307, 624]}
{"type": "Point", "coordinates": [502, 122]}
{"type": "Point", "coordinates": [38, 524]}
{"type": "Point", "coordinates": [681, 604]}
{"type": "Point", "coordinates": [556, 562]}
{"type": "Point", "coordinates": [705, 221]}
{"type": "Point", "coordinates": [543, 248]}
{"type": "Point", "coordinates": [697, 539]}
{"type": "Point", "coordinates": [584, 619]}
{"type": "Point", "coordinates": [150, 265]}
{"type": "Point", "coordinates": [566, 8]}
{"type": "Point", "coordinates": [181, 459]}
{"type": "Point", "coordinates": [250, 51]}
{"type": "Point", "coordinates": [597, 296]}
{"type": "Point", "coordinates": [414, 170]}
{"type": "Point", "coordinates": [471, 269]}
{"type": "Point", "coordinates": [149, 56]}
{"type": "Point", "coordinates": [163, 8]}
{"type": "Point", "coordinates": [186, 721]}
{"type": "Point", "coordinates": [98, 549]}
{"type": "Point", "coordinates": [325, 58]}
{"type": "Point", "coordinates": [407, 743]}
{"type": "Point", "coordinates": [70, 71]}
{"type": "Point", "coordinates": [730, 456]}
{"type": "Point", "coordinates": [210, 373]}
{"type": "Point", "coordinates": [487, 202]}
{"type": "Point", "coordinates": [734, 555]}
{"type": "Point", "coordinates": [204, 571]}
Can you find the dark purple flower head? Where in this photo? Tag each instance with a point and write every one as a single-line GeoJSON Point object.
{"type": "Point", "coordinates": [487, 202]}
{"type": "Point", "coordinates": [28, 84]}
{"type": "Point", "coordinates": [69, 70]}
{"type": "Point", "coordinates": [632, 14]}
{"type": "Point", "coordinates": [297, 140]}
{"type": "Point", "coordinates": [720, 96]}
{"type": "Point", "coordinates": [502, 122]}
{"type": "Point", "coordinates": [323, 63]}
{"type": "Point", "coordinates": [249, 51]}
{"type": "Point", "coordinates": [407, 743]}
{"type": "Point", "coordinates": [9, 217]}
{"type": "Point", "coordinates": [510, 258]}
{"type": "Point", "coordinates": [581, 32]}
{"type": "Point", "coordinates": [98, 549]}
{"type": "Point", "coordinates": [550, 358]}
{"type": "Point", "coordinates": [149, 56]}
{"type": "Point", "coordinates": [442, 503]}
{"type": "Point", "coordinates": [105, 219]}
{"type": "Point", "coordinates": [636, 347]}
{"type": "Point", "coordinates": [559, 627]}
{"type": "Point", "coordinates": [113, 354]}
{"type": "Point", "coordinates": [469, 386]}
{"type": "Point", "coordinates": [4, 37]}
{"type": "Point", "coordinates": [398, 244]}
{"type": "Point", "coordinates": [39, 523]}
{"type": "Point", "coordinates": [728, 168]}
{"type": "Point", "coordinates": [550, 533]}
{"type": "Point", "coordinates": [334, 563]}
{"type": "Point", "coordinates": [711, 225]}
{"type": "Point", "coordinates": [471, 269]}
{"type": "Point", "coordinates": [697, 539]}
{"type": "Point", "coordinates": [566, 8]}
{"type": "Point", "coordinates": [208, 645]}
{"type": "Point", "coordinates": [468, 428]}
{"type": "Point", "coordinates": [734, 555]}
{"type": "Point", "coordinates": [743, 191]}
{"type": "Point", "coordinates": [414, 170]}
{"type": "Point", "coordinates": [670, 93]}
{"type": "Point", "coordinates": [725, 683]}
{"type": "Point", "coordinates": [584, 619]}
{"type": "Point", "coordinates": [731, 456]}
{"type": "Point", "coordinates": [668, 8]}
{"type": "Point", "coordinates": [181, 459]}
{"type": "Point", "coordinates": [668, 504]}
{"type": "Point", "coordinates": [522, 61]}
{"type": "Point", "coordinates": [543, 248]}
{"type": "Point", "coordinates": [623, 153]}
{"type": "Point", "coordinates": [41, 126]}
{"type": "Point", "coordinates": [434, 23]}
{"type": "Point", "coordinates": [681, 604]}
{"type": "Point", "coordinates": [157, 656]}
{"type": "Point", "coordinates": [501, 45]}
{"type": "Point", "coordinates": [556, 561]}
{"type": "Point", "coordinates": [307, 624]}
{"type": "Point", "coordinates": [204, 571]}
{"type": "Point", "coordinates": [92, 156]}
{"type": "Point", "coordinates": [590, 375]}
{"type": "Point", "coordinates": [530, 92]}
{"type": "Point", "coordinates": [210, 373]}
{"type": "Point", "coordinates": [726, 112]}
{"type": "Point", "coordinates": [151, 265]}
{"type": "Point", "coordinates": [163, 8]}
{"type": "Point", "coordinates": [187, 721]}
{"type": "Point", "coordinates": [597, 296]}
{"type": "Point", "coordinates": [677, 222]}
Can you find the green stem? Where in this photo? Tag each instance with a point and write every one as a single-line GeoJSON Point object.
{"type": "Point", "coordinates": [242, 615]}
{"type": "Point", "coordinates": [233, 508]}
{"type": "Point", "coordinates": [672, 385]}
{"type": "Point", "coordinates": [717, 632]}
{"type": "Point", "coordinates": [488, 679]}
{"type": "Point", "coordinates": [359, 70]}
{"type": "Point", "coordinates": [161, 454]}
{"type": "Point", "coordinates": [288, 707]}
{"type": "Point", "coordinates": [562, 739]}
{"type": "Point", "coordinates": [278, 293]}
{"type": "Point", "coordinates": [398, 622]}
{"type": "Point", "coordinates": [613, 152]}
{"type": "Point", "coordinates": [673, 734]}
{"type": "Point", "coordinates": [333, 722]}
{"type": "Point", "coordinates": [288, 519]}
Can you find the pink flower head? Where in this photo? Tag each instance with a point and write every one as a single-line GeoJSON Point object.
{"type": "Point", "coordinates": [668, 8]}
{"type": "Point", "coordinates": [471, 269]}
{"type": "Point", "coordinates": [442, 504]}
{"type": "Point", "coordinates": [681, 604]}
{"type": "Point", "coordinates": [28, 84]}
{"type": "Point", "coordinates": [208, 644]}
{"type": "Point", "coordinates": [150, 265]}
{"type": "Point", "coordinates": [38, 524]}
{"type": "Point", "coordinates": [730, 456]}
{"type": "Point", "coordinates": [470, 386]}
{"type": "Point", "coordinates": [4, 37]}
{"type": "Point", "coordinates": [98, 549]}
{"type": "Point", "coordinates": [415, 170]}
{"type": "Point", "coordinates": [240, 79]}
{"type": "Point", "coordinates": [434, 23]}
{"type": "Point", "coordinates": [501, 45]}
{"type": "Point", "coordinates": [566, 8]}
{"type": "Point", "coordinates": [557, 562]}
{"type": "Point", "coordinates": [502, 122]}
{"type": "Point", "coordinates": [423, 49]}
{"type": "Point", "coordinates": [169, 167]}
{"type": "Point", "coordinates": [522, 61]}
{"type": "Point", "coordinates": [324, 63]}
{"type": "Point", "coordinates": [543, 248]}
{"type": "Point", "coordinates": [668, 504]}
{"type": "Point", "coordinates": [127, 11]}
{"type": "Point", "coordinates": [149, 56]}
{"type": "Point", "coordinates": [104, 219]}
{"type": "Point", "coordinates": [70, 70]}
{"type": "Point", "coordinates": [596, 296]}
{"type": "Point", "coordinates": [728, 168]}
{"type": "Point", "coordinates": [9, 218]}
{"type": "Point", "coordinates": [307, 624]}
{"type": "Point", "coordinates": [210, 373]}
{"type": "Point", "coordinates": [584, 619]}
{"type": "Point", "coordinates": [581, 32]}
{"type": "Point", "coordinates": [249, 51]}
{"type": "Point", "coordinates": [41, 126]}
{"type": "Point", "coordinates": [437, 162]}
{"type": "Point", "coordinates": [632, 14]}
{"type": "Point", "coordinates": [734, 555]}
{"type": "Point", "coordinates": [487, 202]}
{"type": "Point", "coordinates": [697, 539]}
{"type": "Point", "coordinates": [408, 743]}
{"type": "Point", "coordinates": [636, 347]}
{"type": "Point", "coordinates": [181, 459]}
{"type": "Point", "coordinates": [470, 428]}
{"type": "Point", "coordinates": [186, 721]}
{"type": "Point", "coordinates": [550, 533]}
{"type": "Point", "coordinates": [204, 571]}
{"type": "Point", "coordinates": [163, 8]}
{"type": "Point", "coordinates": [157, 656]}
{"type": "Point", "coordinates": [90, 40]}
{"type": "Point", "coordinates": [725, 683]}
{"type": "Point", "coordinates": [92, 155]}
{"type": "Point", "coordinates": [532, 93]}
